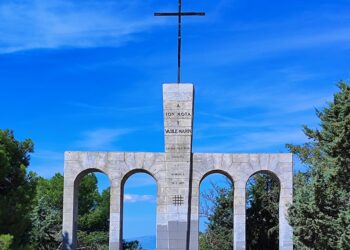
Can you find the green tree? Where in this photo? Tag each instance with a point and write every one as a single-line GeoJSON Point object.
{"type": "Point", "coordinates": [262, 215]}
{"type": "Point", "coordinates": [93, 212]}
{"type": "Point", "coordinates": [320, 214]}
{"type": "Point", "coordinates": [203, 241]}
{"type": "Point", "coordinates": [132, 245]}
{"type": "Point", "coordinates": [46, 215]}
{"type": "Point", "coordinates": [93, 221]}
{"type": "Point", "coordinates": [218, 235]}
{"type": "Point", "coordinates": [97, 240]}
{"type": "Point", "coordinates": [16, 187]}
{"type": "Point", "coordinates": [88, 194]}
{"type": "Point", "coordinates": [5, 241]}
{"type": "Point", "coordinates": [94, 208]}
{"type": "Point", "coordinates": [262, 212]}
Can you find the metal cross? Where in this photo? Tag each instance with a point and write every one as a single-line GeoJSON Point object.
{"type": "Point", "coordinates": [179, 14]}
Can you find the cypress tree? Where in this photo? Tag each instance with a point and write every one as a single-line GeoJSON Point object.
{"type": "Point", "coordinates": [320, 214]}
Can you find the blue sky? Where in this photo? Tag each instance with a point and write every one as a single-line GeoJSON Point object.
{"type": "Point", "coordinates": [87, 75]}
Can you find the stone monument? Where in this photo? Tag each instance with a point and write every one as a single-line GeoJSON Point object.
{"type": "Point", "coordinates": [178, 173]}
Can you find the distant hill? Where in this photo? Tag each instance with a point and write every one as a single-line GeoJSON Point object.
{"type": "Point", "coordinates": [147, 242]}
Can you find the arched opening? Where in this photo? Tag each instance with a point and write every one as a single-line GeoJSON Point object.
{"type": "Point", "coordinates": [139, 211]}
{"type": "Point", "coordinates": [216, 212]}
{"type": "Point", "coordinates": [262, 208]}
{"type": "Point", "coordinates": [93, 211]}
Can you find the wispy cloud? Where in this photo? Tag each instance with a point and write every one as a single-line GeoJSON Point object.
{"type": "Point", "coordinates": [112, 108]}
{"type": "Point", "coordinates": [46, 163]}
{"type": "Point", "coordinates": [32, 24]}
{"type": "Point", "coordinates": [262, 119]}
{"type": "Point", "coordinates": [313, 29]}
{"type": "Point", "coordinates": [232, 50]}
{"type": "Point", "coordinates": [101, 138]}
{"type": "Point", "coordinates": [132, 198]}
{"type": "Point", "coordinates": [266, 139]}
{"type": "Point", "coordinates": [255, 142]}
{"type": "Point", "coordinates": [283, 90]}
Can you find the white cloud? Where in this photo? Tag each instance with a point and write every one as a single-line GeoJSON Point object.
{"type": "Point", "coordinates": [256, 142]}
{"type": "Point", "coordinates": [33, 24]}
{"type": "Point", "coordinates": [281, 96]}
{"type": "Point", "coordinates": [266, 139]}
{"type": "Point", "coordinates": [279, 36]}
{"type": "Point", "coordinates": [101, 138]}
{"type": "Point", "coordinates": [112, 108]}
{"type": "Point", "coordinates": [132, 198]}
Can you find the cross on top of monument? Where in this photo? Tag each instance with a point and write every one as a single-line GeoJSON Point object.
{"type": "Point", "coordinates": [178, 173]}
{"type": "Point", "coordinates": [179, 14]}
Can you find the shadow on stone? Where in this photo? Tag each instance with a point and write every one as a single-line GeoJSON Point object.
{"type": "Point", "coordinates": [66, 245]}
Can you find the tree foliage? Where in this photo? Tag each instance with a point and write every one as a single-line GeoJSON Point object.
{"type": "Point", "coordinates": [46, 216]}
{"type": "Point", "coordinates": [94, 209]}
{"type": "Point", "coordinates": [93, 223]}
{"type": "Point", "coordinates": [93, 215]}
{"type": "Point", "coordinates": [320, 214]}
{"type": "Point", "coordinates": [132, 245]}
{"type": "Point", "coordinates": [262, 212]}
{"type": "Point", "coordinates": [97, 240]}
{"type": "Point", "coordinates": [262, 215]}
{"type": "Point", "coordinates": [6, 241]}
{"type": "Point", "coordinates": [220, 217]}
{"type": "Point", "coordinates": [16, 187]}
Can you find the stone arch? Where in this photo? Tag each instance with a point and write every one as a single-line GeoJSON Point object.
{"type": "Point", "coordinates": [281, 166]}
{"type": "Point", "coordinates": [274, 176]}
{"type": "Point", "coordinates": [206, 164]}
{"type": "Point", "coordinates": [149, 162]}
{"type": "Point", "coordinates": [124, 178]}
{"type": "Point", "coordinates": [203, 165]}
{"type": "Point", "coordinates": [177, 160]}
{"type": "Point", "coordinates": [268, 172]}
{"type": "Point", "coordinates": [87, 171]}
{"type": "Point", "coordinates": [76, 175]}
{"type": "Point", "coordinates": [216, 171]}
{"type": "Point", "coordinates": [222, 173]}
{"type": "Point", "coordinates": [131, 172]}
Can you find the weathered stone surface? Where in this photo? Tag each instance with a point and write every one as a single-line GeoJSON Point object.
{"type": "Point", "coordinates": [178, 173]}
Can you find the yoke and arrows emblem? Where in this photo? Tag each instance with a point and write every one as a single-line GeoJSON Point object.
{"type": "Point", "coordinates": [179, 14]}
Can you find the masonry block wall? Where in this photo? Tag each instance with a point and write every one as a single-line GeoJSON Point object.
{"type": "Point", "coordinates": [178, 173]}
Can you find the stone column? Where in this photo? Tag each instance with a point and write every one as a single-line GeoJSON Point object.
{"type": "Point", "coordinates": [115, 216]}
{"type": "Point", "coordinates": [286, 198]}
{"type": "Point", "coordinates": [162, 216]}
{"type": "Point", "coordinates": [194, 230]}
{"type": "Point", "coordinates": [173, 227]}
{"type": "Point", "coordinates": [70, 211]}
{"type": "Point", "coordinates": [239, 216]}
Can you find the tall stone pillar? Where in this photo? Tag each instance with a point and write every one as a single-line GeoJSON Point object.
{"type": "Point", "coordinates": [286, 198]}
{"type": "Point", "coordinates": [70, 210]}
{"type": "Point", "coordinates": [194, 230]}
{"type": "Point", "coordinates": [173, 225]}
{"type": "Point", "coordinates": [239, 217]}
{"type": "Point", "coordinates": [115, 217]}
